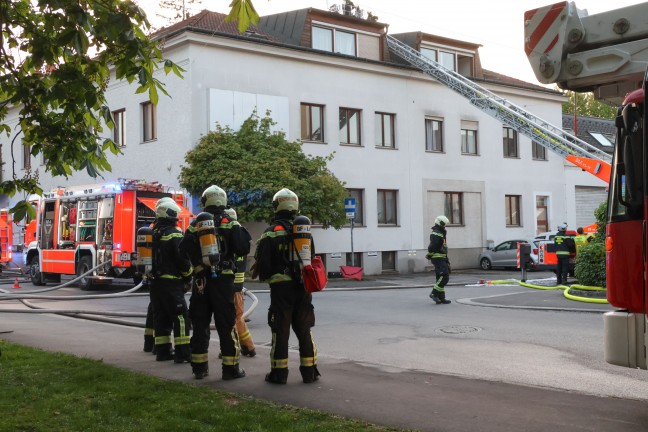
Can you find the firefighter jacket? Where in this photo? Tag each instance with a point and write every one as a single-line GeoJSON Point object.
{"type": "Point", "coordinates": [437, 247]}
{"type": "Point", "coordinates": [275, 249]}
{"type": "Point", "coordinates": [232, 243]}
{"type": "Point", "coordinates": [564, 244]}
{"type": "Point", "coordinates": [168, 262]}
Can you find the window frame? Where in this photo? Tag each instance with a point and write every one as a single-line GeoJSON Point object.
{"type": "Point", "coordinates": [382, 198]}
{"type": "Point", "coordinates": [469, 128]}
{"type": "Point", "coordinates": [334, 39]}
{"type": "Point", "coordinates": [307, 108]}
{"type": "Point", "coordinates": [449, 208]}
{"type": "Point", "coordinates": [538, 152]}
{"type": "Point", "coordinates": [392, 257]}
{"type": "Point", "coordinates": [149, 121]}
{"type": "Point", "coordinates": [508, 141]}
{"type": "Point", "coordinates": [543, 207]}
{"type": "Point", "coordinates": [510, 214]}
{"type": "Point", "coordinates": [119, 130]}
{"type": "Point", "coordinates": [380, 118]}
{"type": "Point", "coordinates": [431, 145]}
{"type": "Point", "coordinates": [350, 113]}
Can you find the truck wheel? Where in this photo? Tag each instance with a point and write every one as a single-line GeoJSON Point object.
{"type": "Point", "coordinates": [485, 264]}
{"type": "Point", "coordinates": [85, 283]}
{"type": "Point", "coordinates": [34, 272]}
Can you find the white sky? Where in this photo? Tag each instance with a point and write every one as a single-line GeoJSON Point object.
{"type": "Point", "coordinates": [496, 25]}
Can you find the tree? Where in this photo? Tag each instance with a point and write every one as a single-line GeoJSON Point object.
{"type": "Point", "coordinates": [56, 58]}
{"type": "Point", "coordinates": [590, 261]}
{"type": "Point", "coordinates": [243, 11]}
{"type": "Point", "coordinates": [586, 105]}
{"type": "Point", "coordinates": [254, 163]}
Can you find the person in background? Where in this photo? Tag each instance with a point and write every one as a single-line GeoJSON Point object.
{"type": "Point", "coordinates": [438, 255]}
{"type": "Point", "coordinates": [565, 246]}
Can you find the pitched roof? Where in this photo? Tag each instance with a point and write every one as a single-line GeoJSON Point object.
{"type": "Point", "coordinates": [588, 127]}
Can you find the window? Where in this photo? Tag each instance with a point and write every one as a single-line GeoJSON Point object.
{"type": "Point", "coordinates": [513, 210]}
{"type": "Point", "coordinates": [542, 214]}
{"type": "Point", "coordinates": [312, 121]}
{"type": "Point", "coordinates": [447, 60]}
{"type": "Point", "coordinates": [149, 122]}
{"type": "Point", "coordinates": [349, 126]}
{"type": "Point", "coordinates": [539, 152]}
{"type": "Point", "coordinates": [358, 194]}
{"type": "Point", "coordinates": [119, 132]}
{"type": "Point", "coordinates": [354, 259]}
{"type": "Point", "coordinates": [387, 210]}
{"type": "Point", "coordinates": [429, 53]}
{"type": "Point", "coordinates": [433, 135]}
{"type": "Point", "coordinates": [389, 261]}
{"type": "Point", "coordinates": [510, 139]}
{"type": "Point", "coordinates": [453, 208]}
{"type": "Point", "coordinates": [385, 130]}
{"type": "Point", "coordinates": [333, 40]}
{"type": "Point", "coordinates": [469, 137]}
{"type": "Point", "coordinates": [26, 157]}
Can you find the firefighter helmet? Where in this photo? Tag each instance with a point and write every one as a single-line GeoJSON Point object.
{"type": "Point", "coordinates": [167, 209]}
{"type": "Point", "coordinates": [285, 200]}
{"type": "Point", "coordinates": [441, 221]}
{"type": "Point", "coordinates": [213, 196]}
{"type": "Point", "coordinates": [231, 213]}
{"type": "Point", "coordinates": [562, 227]}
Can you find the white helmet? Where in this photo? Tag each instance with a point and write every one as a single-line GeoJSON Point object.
{"type": "Point", "coordinates": [441, 221]}
{"type": "Point", "coordinates": [166, 208]}
{"type": "Point", "coordinates": [285, 199]}
{"type": "Point", "coordinates": [231, 213]}
{"type": "Point", "coordinates": [213, 196]}
{"type": "Point", "coordinates": [562, 227]}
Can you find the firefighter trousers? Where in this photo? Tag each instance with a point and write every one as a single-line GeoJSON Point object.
{"type": "Point", "coordinates": [216, 300]}
{"type": "Point", "coordinates": [291, 305]}
{"type": "Point", "coordinates": [244, 335]}
{"type": "Point", "coordinates": [562, 269]}
{"type": "Point", "coordinates": [171, 315]}
{"type": "Point", "coordinates": [442, 273]}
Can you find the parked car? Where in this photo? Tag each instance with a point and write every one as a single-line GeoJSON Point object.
{"type": "Point", "coordinates": [505, 254]}
{"type": "Point", "coordinates": [551, 234]}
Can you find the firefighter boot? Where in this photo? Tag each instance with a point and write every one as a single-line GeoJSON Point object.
{"type": "Point", "coordinates": [443, 299]}
{"type": "Point", "coordinates": [149, 343]}
{"type": "Point", "coordinates": [200, 370]}
{"type": "Point", "coordinates": [309, 374]}
{"type": "Point", "coordinates": [277, 376]}
{"type": "Point", "coordinates": [231, 372]}
{"type": "Point", "coordinates": [247, 352]}
{"type": "Point", "coordinates": [182, 354]}
{"type": "Point", "coordinates": [163, 352]}
{"type": "Point", "coordinates": [434, 295]}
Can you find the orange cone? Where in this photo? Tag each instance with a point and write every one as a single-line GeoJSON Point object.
{"type": "Point", "coordinates": [16, 284]}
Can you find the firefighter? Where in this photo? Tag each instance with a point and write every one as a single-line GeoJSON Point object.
{"type": "Point", "coordinates": [564, 247]}
{"type": "Point", "coordinates": [170, 274]}
{"type": "Point", "coordinates": [438, 255]}
{"type": "Point", "coordinates": [212, 242]}
{"type": "Point", "coordinates": [277, 263]}
{"type": "Point", "coordinates": [581, 239]}
{"type": "Point", "coordinates": [245, 337]}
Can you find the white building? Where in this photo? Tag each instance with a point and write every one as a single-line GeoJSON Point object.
{"type": "Point", "coordinates": [407, 147]}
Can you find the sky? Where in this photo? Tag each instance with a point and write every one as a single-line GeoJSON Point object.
{"type": "Point", "coordinates": [498, 26]}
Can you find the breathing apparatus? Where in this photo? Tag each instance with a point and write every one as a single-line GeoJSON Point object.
{"type": "Point", "coordinates": [302, 240]}
{"type": "Point", "coordinates": [208, 239]}
{"type": "Point", "coordinates": [144, 261]}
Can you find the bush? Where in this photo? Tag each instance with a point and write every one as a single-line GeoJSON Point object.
{"type": "Point", "coordinates": [590, 264]}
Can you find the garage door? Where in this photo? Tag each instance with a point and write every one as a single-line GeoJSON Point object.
{"type": "Point", "coordinates": [588, 199]}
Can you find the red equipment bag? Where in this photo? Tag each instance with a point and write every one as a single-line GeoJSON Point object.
{"type": "Point", "coordinates": [314, 276]}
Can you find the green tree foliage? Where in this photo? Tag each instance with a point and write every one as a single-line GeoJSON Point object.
{"type": "Point", "coordinates": [586, 105]}
{"type": "Point", "coordinates": [254, 163]}
{"type": "Point", "coordinates": [244, 13]}
{"type": "Point", "coordinates": [56, 58]}
{"type": "Point", "coordinates": [590, 261]}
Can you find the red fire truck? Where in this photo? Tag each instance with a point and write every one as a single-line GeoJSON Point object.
{"type": "Point", "coordinates": [606, 54]}
{"type": "Point", "coordinates": [6, 237]}
{"type": "Point", "coordinates": [79, 227]}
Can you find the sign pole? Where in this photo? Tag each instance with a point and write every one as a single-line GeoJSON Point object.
{"type": "Point", "coordinates": [350, 208]}
{"type": "Point", "coordinates": [352, 255]}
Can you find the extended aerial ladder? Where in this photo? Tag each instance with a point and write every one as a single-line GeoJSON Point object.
{"type": "Point", "coordinates": [575, 150]}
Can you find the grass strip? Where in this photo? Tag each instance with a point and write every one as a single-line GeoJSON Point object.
{"type": "Point", "coordinates": [44, 391]}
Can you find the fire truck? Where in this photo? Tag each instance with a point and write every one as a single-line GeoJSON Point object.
{"type": "Point", "coordinates": [80, 228]}
{"type": "Point", "coordinates": [607, 54]}
{"type": "Point", "coordinates": [6, 237]}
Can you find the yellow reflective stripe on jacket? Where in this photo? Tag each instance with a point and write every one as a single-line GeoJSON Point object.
{"type": "Point", "coordinates": [188, 272]}
{"type": "Point", "coordinates": [168, 276]}
{"type": "Point", "coordinates": [279, 277]}
{"type": "Point", "coordinates": [161, 340]}
{"type": "Point", "coordinates": [170, 236]}
{"type": "Point", "coordinates": [274, 234]}
{"type": "Point", "coordinates": [239, 277]}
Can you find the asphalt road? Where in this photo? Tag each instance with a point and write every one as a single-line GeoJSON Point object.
{"type": "Point", "coordinates": [499, 358]}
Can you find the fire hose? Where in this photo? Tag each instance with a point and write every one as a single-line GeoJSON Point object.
{"type": "Point", "coordinates": [567, 289]}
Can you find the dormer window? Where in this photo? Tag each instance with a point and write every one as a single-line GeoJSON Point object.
{"type": "Point", "coordinates": [461, 61]}
{"type": "Point", "coordinates": [334, 40]}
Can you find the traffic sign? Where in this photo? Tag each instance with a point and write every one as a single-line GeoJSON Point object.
{"type": "Point", "coordinates": [349, 207]}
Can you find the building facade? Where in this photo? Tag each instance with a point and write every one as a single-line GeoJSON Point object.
{"type": "Point", "coordinates": [407, 147]}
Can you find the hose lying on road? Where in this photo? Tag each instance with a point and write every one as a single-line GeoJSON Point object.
{"type": "Point", "coordinates": [567, 290]}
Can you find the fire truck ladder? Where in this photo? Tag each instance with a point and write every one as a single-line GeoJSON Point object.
{"type": "Point", "coordinates": [553, 138]}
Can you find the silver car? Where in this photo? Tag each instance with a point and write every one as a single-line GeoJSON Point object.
{"type": "Point", "coordinates": [505, 254]}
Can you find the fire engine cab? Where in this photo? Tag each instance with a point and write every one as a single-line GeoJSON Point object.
{"type": "Point", "coordinates": [80, 227]}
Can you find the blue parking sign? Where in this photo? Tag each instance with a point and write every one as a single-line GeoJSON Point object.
{"type": "Point", "coordinates": [349, 207]}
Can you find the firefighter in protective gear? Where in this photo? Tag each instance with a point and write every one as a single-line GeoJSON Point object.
{"type": "Point", "coordinates": [149, 325]}
{"type": "Point", "coordinates": [171, 269]}
{"type": "Point", "coordinates": [564, 247]}
{"type": "Point", "coordinates": [213, 293]}
{"type": "Point", "coordinates": [290, 304]}
{"type": "Point", "coordinates": [245, 337]}
{"type": "Point", "coordinates": [438, 255]}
